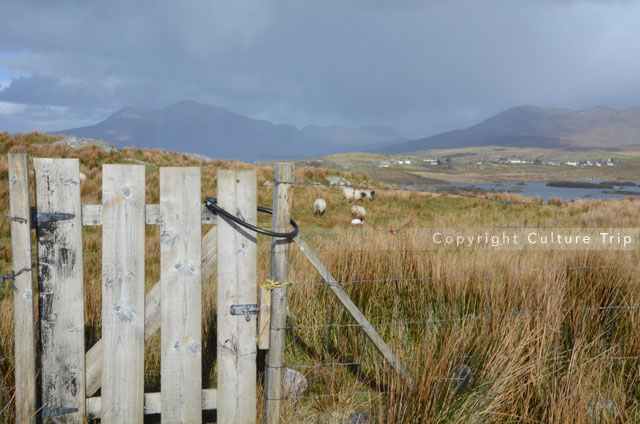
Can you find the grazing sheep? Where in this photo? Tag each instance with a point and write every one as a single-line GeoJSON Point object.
{"type": "Point", "coordinates": [369, 194]}
{"type": "Point", "coordinates": [357, 221]}
{"type": "Point", "coordinates": [352, 195]}
{"type": "Point", "coordinates": [358, 212]}
{"type": "Point", "coordinates": [319, 207]}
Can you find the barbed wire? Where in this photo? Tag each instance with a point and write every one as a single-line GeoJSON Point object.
{"type": "Point", "coordinates": [473, 275]}
{"type": "Point", "coordinates": [358, 354]}
{"type": "Point", "coordinates": [466, 318]}
{"type": "Point", "coordinates": [501, 227]}
{"type": "Point", "coordinates": [461, 192]}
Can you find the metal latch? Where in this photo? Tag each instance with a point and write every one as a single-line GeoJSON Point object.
{"type": "Point", "coordinates": [245, 310]}
{"type": "Point", "coordinates": [48, 412]}
{"type": "Point", "coordinates": [40, 218]}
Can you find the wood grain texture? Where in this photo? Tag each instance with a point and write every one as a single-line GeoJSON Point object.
{"type": "Point", "coordinates": [152, 403]}
{"type": "Point", "coordinates": [92, 215]}
{"type": "Point", "coordinates": [237, 252]}
{"type": "Point", "coordinates": [181, 317]}
{"type": "Point", "coordinates": [152, 313]}
{"type": "Point", "coordinates": [279, 271]}
{"type": "Point", "coordinates": [353, 310]}
{"type": "Point", "coordinates": [60, 287]}
{"type": "Point", "coordinates": [23, 298]}
{"type": "Point", "coordinates": [123, 239]}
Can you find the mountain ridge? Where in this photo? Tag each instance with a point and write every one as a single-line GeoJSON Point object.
{"type": "Point", "coordinates": [226, 134]}
{"type": "Point", "coordinates": [600, 127]}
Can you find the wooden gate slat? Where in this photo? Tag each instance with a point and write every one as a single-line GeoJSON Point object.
{"type": "Point", "coordinates": [60, 284]}
{"type": "Point", "coordinates": [152, 313]}
{"type": "Point", "coordinates": [23, 300]}
{"type": "Point", "coordinates": [237, 347]}
{"type": "Point", "coordinates": [123, 239]}
{"type": "Point", "coordinates": [181, 307]}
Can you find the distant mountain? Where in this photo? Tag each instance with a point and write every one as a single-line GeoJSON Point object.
{"type": "Point", "coordinates": [532, 126]}
{"type": "Point", "coordinates": [190, 126]}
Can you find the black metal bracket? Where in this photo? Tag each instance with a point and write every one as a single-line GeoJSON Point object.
{"type": "Point", "coordinates": [41, 218]}
{"type": "Point", "coordinates": [48, 412]}
{"type": "Point", "coordinates": [246, 310]}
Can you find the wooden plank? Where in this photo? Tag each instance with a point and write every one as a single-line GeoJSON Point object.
{"type": "Point", "coordinates": [123, 238]}
{"type": "Point", "coordinates": [92, 215]}
{"type": "Point", "coordinates": [279, 272]}
{"type": "Point", "coordinates": [60, 287]}
{"type": "Point", "coordinates": [23, 300]}
{"type": "Point", "coordinates": [237, 251]}
{"type": "Point", "coordinates": [152, 313]}
{"type": "Point", "coordinates": [353, 310]}
{"type": "Point", "coordinates": [181, 318]}
{"type": "Point", "coordinates": [152, 403]}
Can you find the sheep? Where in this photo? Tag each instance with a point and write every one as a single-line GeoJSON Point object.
{"type": "Point", "coordinates": [357, 221]}
{"type": "Point", "coordinates": [358, 212]}
{"type": "Point", "coordinates": [352, 195]}
{"type": "Point", "coordinates": [319, 207]}
{"type": "Point", "coordinates": [369, 194]}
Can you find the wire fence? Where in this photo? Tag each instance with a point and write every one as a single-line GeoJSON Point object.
{"type": "Point", "coordinates": [492, 195]}
{"type": "Point", "coordinates": [436, 306]}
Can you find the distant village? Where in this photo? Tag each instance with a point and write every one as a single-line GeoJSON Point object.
{"type": "Point", "coordinates": [503, 161]}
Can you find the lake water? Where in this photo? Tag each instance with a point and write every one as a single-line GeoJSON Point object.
{"type": "Point", "coordinates": [536, 188]}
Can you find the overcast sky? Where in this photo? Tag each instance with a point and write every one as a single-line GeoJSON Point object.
{"type": "Point", "coordinates": [424, 66]}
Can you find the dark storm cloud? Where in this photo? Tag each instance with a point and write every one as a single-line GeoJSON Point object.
{"type": "Point", "coordinates": [427, 66]}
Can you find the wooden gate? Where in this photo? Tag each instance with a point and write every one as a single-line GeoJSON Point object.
{"type": "Point", "coordinates": [68, 377]}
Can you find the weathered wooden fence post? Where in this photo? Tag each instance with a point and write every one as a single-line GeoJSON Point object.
{"type": "Point", "coordinates": [181, 294]}
{"type": "Point", "coordinates": [23, 300]}
{"type": "Point", "coordinates": [237, 268]}
{"type": "Point", "coordinates": [60, 287]}
{"type": "Point", "coordinates": [279, 272]}
{"type": "Point", "coordinates": [123, 233]}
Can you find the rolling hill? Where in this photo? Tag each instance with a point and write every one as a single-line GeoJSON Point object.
{"type": "Point", "coordinates": [190, 126]}
{"type": "Point", "coordinates": [601, 128]}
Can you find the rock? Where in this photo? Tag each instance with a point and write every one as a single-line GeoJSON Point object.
{"type": "Point", "coordinates": [83, 177]}
{"type": "Point", "coordinates": [77, 142]}
{"type": "Point", "coordinates": [462, 376]}
{"type": "Point", "coordinates": [198, 156]}
{"type": "Point", "coordinates": [293, 383]}
{"type": "Point", "coordinates": [359, 418]}
{"type": "Point", "coordinates": [602, 410]}
{"type": "Point", "coordinates": [339, 181]}
{"type": "Point", "coordinates": [267, 183]}
{"type": "Point", "coordinates": [140, 162]}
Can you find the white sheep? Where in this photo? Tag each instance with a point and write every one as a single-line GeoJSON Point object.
{"type": "Point", "coordinates": [352, 195]}
{"type": "Point", "coordinates": [369, 194]}
{"type": "Point", "coordinates": [319, 207]}
{"type": "Point", "coordinates": [357, 221]}
{"type": "Point", "coordinates": [358, 212]}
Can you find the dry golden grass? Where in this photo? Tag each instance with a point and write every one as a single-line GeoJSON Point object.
{"type": "Point", "coordinates": [557, 363]}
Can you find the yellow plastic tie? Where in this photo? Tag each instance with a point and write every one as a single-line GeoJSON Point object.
{"type": "Point", "coordinates": [270, 284]}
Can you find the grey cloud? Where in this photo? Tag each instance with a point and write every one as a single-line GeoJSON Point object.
{"type": "Point", "coordinates": [428, 66]}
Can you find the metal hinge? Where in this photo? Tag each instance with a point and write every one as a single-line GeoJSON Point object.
{"type": "Point", "coordinates": [41, 218]}
{"type": "Point", "coordinates": [48, 412]}
{"type": "Point", "coordinates": [246, 310]}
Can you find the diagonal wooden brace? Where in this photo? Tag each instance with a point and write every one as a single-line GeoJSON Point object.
{"type": "Point", "coordinates": [93, 358]}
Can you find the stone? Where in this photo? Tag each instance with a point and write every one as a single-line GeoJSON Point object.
{"type": "Point", "coordinates": [198, 156]}
{"type": "Point", "coordinates": [359, 418]}
{"type": "Point", "coordinates": [267, 183]}
{"type": "Point", "coordinates": [339, 181]}
{"type": "Point", "coordinates": [462, 376]}
{"type": "Point", "coordinates": [78, 142]}
{"type": "Point", "coordinates": [293, 383]}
